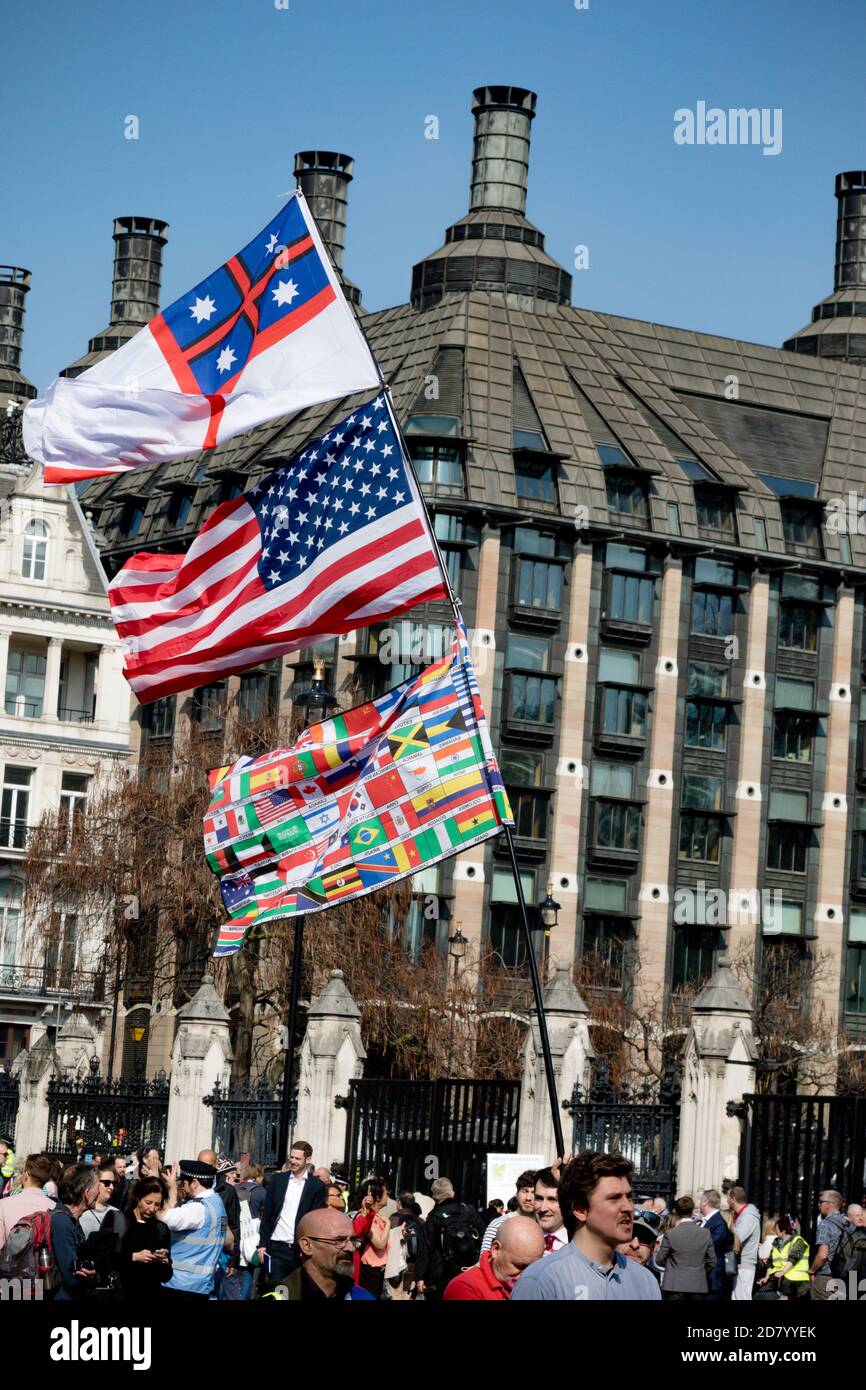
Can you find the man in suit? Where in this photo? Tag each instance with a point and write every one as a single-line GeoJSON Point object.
{"type": "Point", "coordinates": [686, 1254]}
{"type": "Point", "coordinates": [723, 1241]}
{"type": "Point", "coordinates": [289, 1197]}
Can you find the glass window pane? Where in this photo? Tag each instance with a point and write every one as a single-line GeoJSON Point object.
{"type": "Point", "coordinates": [857, 926]}
{"type": "Point", "coordinates": [760, 533]}
{"type": "Point", "coordinates": [623, 667]}
{"type": "Point", "coordinates": [528, 541]}
{"type": "Point", "coordinates": [606, 894]}
{"type": "Point", "coordinates": [702, 793]}
{"type": "Point", "coordinates": [611, 456]}
{"type": "Point", "coordinates": [673, 518]}
{"type": "Point", "coordinates": [625, 557]}
{"type": "Point", "coordinates": [707, 680]}
{"type": "Point", "coordinates": [502, 889]}
{"type": "Point", "coordinates": [714, 572]}
{"type": "Point", "coordinates": [523, 769]}
{"type": "Point", "coordinates": [782, 915]}
{"type": "Point", "coordinates": [800, 586]}
{"type": "Point", "coordinates": [527, 653]}
{"type": "Point", "coordinates": [694, 470]}
{"type": "Point", "coordinates": [789, 805]}
{"type": "Point", "coordinates": [611, 779]}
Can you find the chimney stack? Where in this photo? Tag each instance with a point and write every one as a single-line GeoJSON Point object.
{"type": "Point", "coordinates": [850, 230]}
{"type": "Point", "coordinates": [324, 177]}
{"type": "Point", "coordinates": [137, 269]}
{"type": "Point", "coordinates": [500, 157]}
{"type": "Point", "coordinates": [14, 285]}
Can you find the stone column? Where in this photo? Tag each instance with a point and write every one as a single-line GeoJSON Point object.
{"type": "Point", "coordinates": [568, 1025]}
{"type": "Point", "coordinates": [570, 772]}
{"type": "Point", "coordinates": [104, 673]}
{"type": "Point", "coordinates": [200, 1059]}
{"type": "Point", "coordinates": [52, 678]}
{"type": "Point", "coordinates": [75, 1046]}
{"type": "Point", "coordinates": [666, 733]}
{"type": "Point", "coordinates": [4, 663]}
{"type": "Point", "coordinates": [719, 1068]}
{"type": "Point", "coordinates": [34, 1070]}
{"type": "Point", "coordinates": [468, 881]}
{"type": "Point", "coordinates": [332, 1055]}
{"type": "Point", "coordinates": [743, 897]}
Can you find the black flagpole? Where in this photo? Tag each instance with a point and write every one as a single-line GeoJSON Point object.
{"type": "Point", "coordinates": [291, 1020]}
{"type": "Point", "coordinates": [527, 932]}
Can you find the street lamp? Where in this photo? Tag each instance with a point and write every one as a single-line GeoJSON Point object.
{"type": "Point", "coordinates": [318, 700]}
{"type": "Point", "coordinates": [549, 909]}
{"type": "Point", "coordinates": [457, 948]}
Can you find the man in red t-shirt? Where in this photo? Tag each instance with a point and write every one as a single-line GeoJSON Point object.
{"type": "Point", "coordinates": [518, 1243]}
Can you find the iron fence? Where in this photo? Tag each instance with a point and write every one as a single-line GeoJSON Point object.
{"type": "Point", "coordinates": [641, 1123]}
{"type": "Point", "coordinates": [413, 1131]}
{"type": "Point", "coordinates": [246, 1119]}
{"type": "Point", "coordinates": [794, 1147]}
{"type": "Point", "coordinates": [8, 1104]}
{"type": "Point", "coordinates": [87, 1114]}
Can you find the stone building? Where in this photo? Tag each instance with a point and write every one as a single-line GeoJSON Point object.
{"type": "Point", "coordinates": [656, 535]}
{"type": "Point", "coordinates": [64, 717]}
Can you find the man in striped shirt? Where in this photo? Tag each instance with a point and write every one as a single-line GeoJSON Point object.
{"type": "Point", "coordinates": [525, 1207]}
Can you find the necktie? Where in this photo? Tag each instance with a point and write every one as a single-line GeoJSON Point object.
{"type": "Point", "coordinates": [549, 1242]}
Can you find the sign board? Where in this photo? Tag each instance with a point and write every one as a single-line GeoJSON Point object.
{"type": "Point", "coordinates": [503, 1170]}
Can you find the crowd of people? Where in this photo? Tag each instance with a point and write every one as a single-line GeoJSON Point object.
{"type": "Point", "coordinates": [211, 1228]}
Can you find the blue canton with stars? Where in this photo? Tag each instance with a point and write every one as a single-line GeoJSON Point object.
{"type": "Point", "coordinates": [342, 482]}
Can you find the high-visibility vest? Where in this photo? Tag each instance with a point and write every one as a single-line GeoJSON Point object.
{"type": "Point", "coordinates": [195, 1254]}
{"type": "Point", "coordinates": [799, 1271]}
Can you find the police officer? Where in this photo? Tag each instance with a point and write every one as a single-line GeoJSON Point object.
{"type": "Point", "coordinates": [198, 1229]}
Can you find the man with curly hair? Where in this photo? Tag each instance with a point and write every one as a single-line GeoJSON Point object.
{"type": "Point", "coordinates": [595, 1197]}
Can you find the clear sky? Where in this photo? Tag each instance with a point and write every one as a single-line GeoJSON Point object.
{"type": "Point", "coordinates": [719, 238]}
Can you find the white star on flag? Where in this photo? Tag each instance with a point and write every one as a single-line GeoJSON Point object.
{"type": "Point", "coordinates": [285, 292]}
{"type": "Point", "coordinates": [203, 309]}
{"type": "Point", "coordinates": [225, 360]}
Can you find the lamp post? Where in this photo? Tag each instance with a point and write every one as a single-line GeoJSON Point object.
{"type": "Point", "coordinates": [457, 945]}
{"type": "Point", "coordinates": [549, 910]}
{"type": "Point", "coordinates": [313, 707]}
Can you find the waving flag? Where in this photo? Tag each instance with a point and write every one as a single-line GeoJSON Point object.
{"type": "Point", "coordinates": [333, 540]}
{"type": "Point", "coordinates": [267, 334]}
{"type": "Point", "coordinates": [357, 802]}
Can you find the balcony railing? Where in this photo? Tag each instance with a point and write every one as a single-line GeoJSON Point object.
{"type": "Point", "coordinates": [68, 715]}
{"type": "Point", "coordinates": [23, 709]}
{"type": "Point", "coordinates": [14, 834]}
{"type": "Point", "coordinates": [53, 981]}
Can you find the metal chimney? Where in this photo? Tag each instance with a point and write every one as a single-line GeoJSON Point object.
{"type": "Point", "coordinates": [137, 268]}
{"type": "Point", "coordinates": [500, 157]}
{"type": "Point", "coordinates": [14, 286]}
{"type": "Point", "coordinates": [324, 179]}
{"type": "Point", "coordinates": [850, 230]}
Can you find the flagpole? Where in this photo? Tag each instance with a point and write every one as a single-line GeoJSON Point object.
{"type": "Point", "coordinates": [291, 1021]}
{"type": "Point", "coordinates": [538, 995]}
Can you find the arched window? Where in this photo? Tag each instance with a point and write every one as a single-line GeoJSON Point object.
{"type": "Point", "coordinates": [35, 550]}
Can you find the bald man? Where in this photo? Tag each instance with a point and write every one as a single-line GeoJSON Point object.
{"type": "Point", "coordinates": [518, 1242]}
{"type": "Point", "coordinates": [228, 1285]}
{"type": "Point", "coordinates": [326, 1242]}
{"type": "Point", "coordinates": [856, 1214]}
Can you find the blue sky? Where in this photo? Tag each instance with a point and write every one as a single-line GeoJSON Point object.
{"type": "Point", "coordinates": [719, 238]}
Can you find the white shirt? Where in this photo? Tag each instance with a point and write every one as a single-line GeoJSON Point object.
{"type": "Point", "coordinates": [709, 1216]}
{"type": "Point", "coordinates": [560, 1238]}
{"type": "Point", "coordinates": [184, 1218]}
{"type": "Point", "coordinates": [285, 1227]}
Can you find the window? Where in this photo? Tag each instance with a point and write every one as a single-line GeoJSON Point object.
{"type": "Point", "coordinates": [706, 723]}
{"type": "Point", "coordinates": [694, 951]}
{"type": "Point", "coordinates": [612, 779]}
{"type": "Point", "coordinates": [801, 526]}
{"type": "Point", "coordinates": [695, 471]}
{"type": "Point", "coordinates": [626, 495]}
{"type": "Point", "coordinates": [530, 812]}
{"type": "Point", "coordinates": [208, 707]}
{"type": "Point", "coordinates": [712, 613]}
{"type": "Point", "coordinates": [789, 806]}
{"type": "Point", "coordinates": [858, 847]}
{"type": "Point", "coordinates": [527, 653]}
{"type": "Point", "coordinates": [792, 737]}
{"type": "Point", "coordinates": [532, 699]}
{"type": "Point", "coordinates": [131, 518]}
{"type": "Point", "coordinates": [230, 488]}
{"type": "Point", "coordinates": [605, 895]}
{"type": "Point", "coordinates": [506, 929]}
{"type": "Point", "coordinates": [781, 916]}
{"type": "Point", "coordinates": [620, 667]}
{"type": "Point", "coordinates": [787, 848]}
{"type": "Point", "coordinates": [158, 718]}
{"type": "Point", "coordinates": [10, 919]}
{"type": "Point", "coordinates": [420, 924]}
{"type": "Point", "coordinates": [25, 683]}
{"type": "Point", "coordinates": [455, 537]}
{"type": "Point", "coordinates": [700, 837]}
{"type": "Point", "coordinates": [617, 825]}
{"type": "Point", "coordinates": [259, 694]}
{"type": "Point", "coordinates": [179, 507]}
{"type": "Point", "coordinates": [606, 948]}
{"type": "Point", "coordinates": [538, 582]}
{"type": "Point", "coordinates": [624, 712]}
{"type": "Point", "coordinates": [704, 679]}
{"type": "Point", "coordinates": [715, 511]}
{"type": "Point", "coordinates": [14, 807]}
{"type": "Point", "coordinates": [673, 512]}
{"type": "Point", "coordinates": [855, 991]}
{"type": "Point", "coordinates": [788, 487]}
{"type": "Point", "coordinates": [521, 769]}
{"type": "Point", "coordinates": [760, 533]}
{"type": "Point", "coordinates": [630, 595]}
{"type": "Point", "coordinates": [61, 949]}
{"type": "Point", "coordinates": [535, 478]}
{"type": "Point", "coordinates": [73, 801]}
{"type": "Point", "coordinates": [35, 550]}
{"type": "Point", "coordinates": [626, 557]}
{"type": "Point", "coordinates": [438, 465]}
{"type": "Point", "coordinates": [798, 628]}
{"type": "Point", "coordinates": [718, 572]}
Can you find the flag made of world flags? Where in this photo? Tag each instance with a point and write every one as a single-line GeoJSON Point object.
{"type": "Point", "coordinates": [334, 539]}
{"type": "Point", "coordinates": [359, 801]}
{"type": "Point", "coordinates": [267, 334]}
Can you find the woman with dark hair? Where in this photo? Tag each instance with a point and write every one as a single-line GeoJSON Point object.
{"type": "Point", "coordinates": [373, 1232]}
{"type": "Point", "coordinates": [149, 1161]}
{"type": "Point", "coordinates": [145, 1255]}
{"type": "Point", "coordinates": [788, 1261]}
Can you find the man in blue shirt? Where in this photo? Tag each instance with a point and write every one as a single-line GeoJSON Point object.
{"type": "Point", "coordinates": [595, 1197]}
{"type": "Point", "coordinates": [831, 1228]}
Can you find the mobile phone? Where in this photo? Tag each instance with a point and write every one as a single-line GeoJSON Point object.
{"type": "Point", "coordinates": [161, 1254]}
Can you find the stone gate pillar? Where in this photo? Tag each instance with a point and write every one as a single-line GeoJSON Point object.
{"type": "Point", "coordinates": [568, 1026]}
{"type": "Point", "coordinates": [34, 1070]}
{"type": "Point", "coordinates": [718, 1069]}
{"type": "Point", "coordinates": [332, 1055]}
{"type": "Point", "coordinates": [200, 1059]}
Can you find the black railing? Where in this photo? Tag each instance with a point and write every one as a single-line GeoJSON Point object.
{"type": "Point", "coordinates": [14, 834]}
{"type": "Point", "coordinates": [397, 1128]}
{"type": "Point", "coordinates": [794, 1147]}
{"type": "Point", "coordinates": [53, 980]}
{"type": "Point", "coordinates": [23, 709]}
{"type": "Point", "coordinates": [642, 1123]}
{"type": "Point", "coordinates": [90, 1113]}
{"type": "Point", "coordinates": [75, 716]}
{"type": "Point", "coordinates": [8, 1104]}
{"type": "Point", "coordinates": [246, 1119]}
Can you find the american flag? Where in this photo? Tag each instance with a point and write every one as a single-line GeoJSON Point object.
{"type": "Point", "coordinates": [334, 539]}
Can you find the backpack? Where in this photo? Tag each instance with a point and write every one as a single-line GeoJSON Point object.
{"type": "Point", "coordinates": [461, 1241]}
{"type": "Point", "coordinates": [20, 1256]}
{"type": "Point", "coordinates": [410, 1238]}
{"type": "Point", "coordinates": [850, 1253]}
